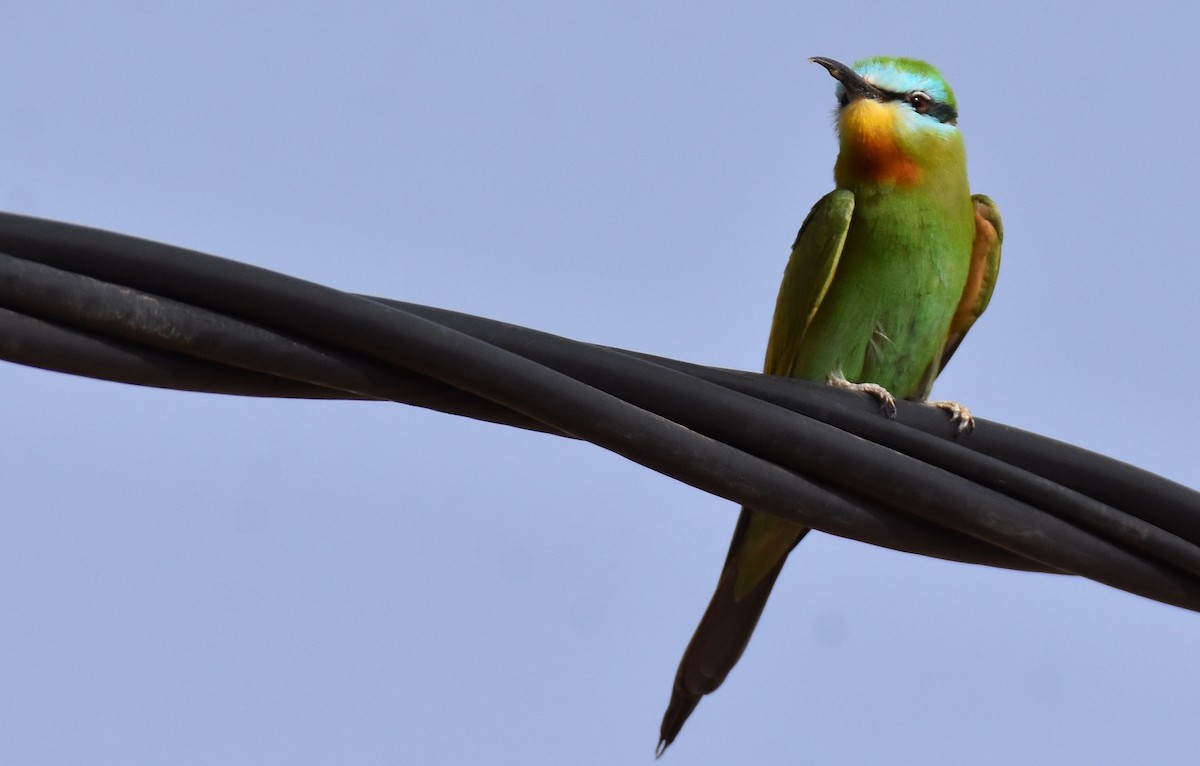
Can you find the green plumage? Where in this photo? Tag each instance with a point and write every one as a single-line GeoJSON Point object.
{"type": "Point", "coordinates": [887, 274]}
{"type": "Point", "coordinates": [896, 283]}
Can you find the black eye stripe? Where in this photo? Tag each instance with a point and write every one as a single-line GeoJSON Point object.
{"type": "Point", "coordinates": [942, 112]}
{"type": "Point", "coordinates": [939, 110]}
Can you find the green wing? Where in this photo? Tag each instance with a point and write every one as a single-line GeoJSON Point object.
{"type": "Point", "coordinates": [807, 277]}
{"type": "Point", "coordinates": [981, 281]}
{"type": "Point", "coordinates": [760, 541]}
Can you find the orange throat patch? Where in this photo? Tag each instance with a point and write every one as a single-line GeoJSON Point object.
{"type": "Point", "coordinates": [869, 152]}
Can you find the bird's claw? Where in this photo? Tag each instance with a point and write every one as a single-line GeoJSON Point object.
{"type": "Point", "coordinates": [887, 402]}
{"type": "Point", "coordinates": [958, 414]}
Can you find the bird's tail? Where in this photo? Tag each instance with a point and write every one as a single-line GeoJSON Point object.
{"type": "Point", "coordinates": [732, 614]}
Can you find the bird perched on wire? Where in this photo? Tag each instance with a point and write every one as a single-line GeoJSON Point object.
{"type": "Point", "coordinates": [888, 273]}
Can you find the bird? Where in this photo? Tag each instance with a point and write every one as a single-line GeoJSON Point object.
{"type": "Point", "coordinates": [887, 274]}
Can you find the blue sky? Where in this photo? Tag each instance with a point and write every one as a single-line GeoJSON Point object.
{"type": "Point", "coordinates": [205, 579]}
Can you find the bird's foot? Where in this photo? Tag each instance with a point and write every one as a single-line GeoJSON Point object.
{"type": "Point", "coordinates": [887, 402]}
{"type": "Point", "coordinates": [958, 414]}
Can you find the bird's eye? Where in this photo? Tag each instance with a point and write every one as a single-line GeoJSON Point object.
{"type": "Point", "coordinates": [918, 101]}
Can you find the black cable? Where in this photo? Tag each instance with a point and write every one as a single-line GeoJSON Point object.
{"type": "Point", "coordinates": [120, 308]}
{"type": "Point", "coordinates": [169, 325]}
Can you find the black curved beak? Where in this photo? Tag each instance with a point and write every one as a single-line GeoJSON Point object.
{"type": "Point", "coordinates": [856, 87]}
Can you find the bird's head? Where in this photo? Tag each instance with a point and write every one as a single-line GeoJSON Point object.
{"type": "Point", "coordinates": [896, 121]}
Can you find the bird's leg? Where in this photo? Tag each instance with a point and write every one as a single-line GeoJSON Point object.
{"type": "Point", "coordinates": [887, 402]}
{"type": "Point", "coordinates": [958, 414]}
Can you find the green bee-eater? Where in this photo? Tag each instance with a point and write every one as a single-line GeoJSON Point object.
{"type": "Point", "coordinates": [887, 274]}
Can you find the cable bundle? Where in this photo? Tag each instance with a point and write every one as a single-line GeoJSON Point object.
{"type": "Point", "coordinates": [109, 306]}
